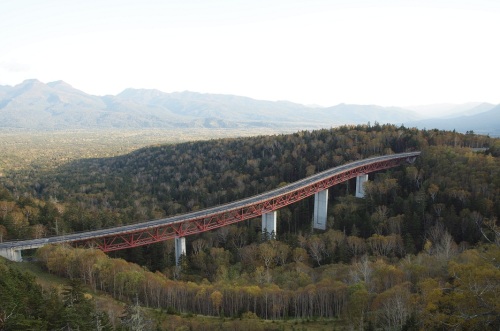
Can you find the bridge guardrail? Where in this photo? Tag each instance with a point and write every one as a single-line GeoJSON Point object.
{"type": "Point", "coordinates": [241, 203]}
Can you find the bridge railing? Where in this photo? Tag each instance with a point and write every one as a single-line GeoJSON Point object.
{"type": "Point", "coordinates": [179, 218]}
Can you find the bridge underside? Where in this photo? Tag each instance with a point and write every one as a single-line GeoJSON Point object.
{"type": "Point", "coordinates": [192, 226]}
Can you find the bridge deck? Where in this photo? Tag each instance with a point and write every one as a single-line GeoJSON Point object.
{"type": "Point", "coordinates": [195, 222]}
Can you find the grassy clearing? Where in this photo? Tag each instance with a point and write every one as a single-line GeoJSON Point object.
{"type": "Point", "coordinates": [45, 279]}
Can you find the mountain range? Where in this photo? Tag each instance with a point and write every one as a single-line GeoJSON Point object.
{"type": "Point", "coordinates": [58, 106]}
{"type": "Point", "coordinates": [483, 118]}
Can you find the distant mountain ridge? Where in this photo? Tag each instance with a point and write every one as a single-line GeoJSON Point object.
{"type": "Point", "coordinates": [483, 122]}
{"type": "Point", "coordinates": [449, 110]}
{"type": "Point", "coordinates": [57, 106]}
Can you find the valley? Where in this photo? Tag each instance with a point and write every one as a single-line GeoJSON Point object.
{"type": "Point", "coordinates": [417, 225]}
{"type": "Point", "coordinates": [282, 165]}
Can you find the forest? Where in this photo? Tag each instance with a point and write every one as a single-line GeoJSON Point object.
{"type": "Point", "coordinates": [419, 252]}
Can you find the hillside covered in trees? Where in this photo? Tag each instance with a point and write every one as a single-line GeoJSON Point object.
{"type": "Point", "coordinates": [421, 251]}
{"type": "Point", "coordinates": [25, 305]}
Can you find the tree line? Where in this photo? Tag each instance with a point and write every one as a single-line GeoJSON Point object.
{"type": "Point", "coordinates": [431, 290]}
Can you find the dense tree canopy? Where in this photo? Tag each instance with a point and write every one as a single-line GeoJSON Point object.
{"type": "Point", "coordinates": [425, 238]}
{"type": "Point", "coordinates": [165, 180]}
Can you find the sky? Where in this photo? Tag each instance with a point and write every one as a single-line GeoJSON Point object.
{"type": "Point", "coordinates": [315, 52]}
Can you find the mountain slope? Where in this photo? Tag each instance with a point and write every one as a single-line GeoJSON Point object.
{"type": "Point", "coordinates": [35, 105]}
{"type": "Point", "coordinates": [478, 109]}
{"type": "Point", "coordinates": [361, 114]}
{"type": "Point", "coordinates": [57, 105]}
{"type": "Point", "coordinates": [487, 122]}
{"type": "Point", "coordinates": [449, 110]}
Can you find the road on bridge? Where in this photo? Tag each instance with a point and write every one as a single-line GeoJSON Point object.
{"type": "Point", "coordinates": [144, 233]}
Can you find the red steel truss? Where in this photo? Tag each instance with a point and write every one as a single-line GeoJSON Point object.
{"type": "Point", "coordinates": [193, 225]}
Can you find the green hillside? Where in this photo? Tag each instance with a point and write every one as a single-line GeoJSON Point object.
{"type": "Point", "coordinates": [424, 239]}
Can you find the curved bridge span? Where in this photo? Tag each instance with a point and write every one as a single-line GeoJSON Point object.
{"type": "Point", "coordinates": [149, 232]}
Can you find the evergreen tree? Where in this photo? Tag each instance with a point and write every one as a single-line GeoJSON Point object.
{"type": "Point", "coordinates": [79, 310]}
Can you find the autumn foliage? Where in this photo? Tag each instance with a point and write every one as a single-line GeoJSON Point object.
{"type": "Point", "coordinates": [420, 251]}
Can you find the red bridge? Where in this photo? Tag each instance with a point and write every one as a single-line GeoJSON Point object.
{"type": "Point", "coordinates": [179, 226]}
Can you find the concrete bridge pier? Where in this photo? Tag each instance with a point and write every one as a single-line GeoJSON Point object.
{"type": "Point", "coordinates": [360, 183]}
{"type": "Point", "coordinates": [320, 210]}
{"type": "Point", "coordinates": [11, 254]}
{"type": "Point", "coordinates": [180, 248]}
{"type": "Point", "coordinates": [269, 224]}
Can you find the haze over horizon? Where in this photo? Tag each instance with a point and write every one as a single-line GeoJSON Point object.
{"type": "Point", "coordinates": [393, 53]}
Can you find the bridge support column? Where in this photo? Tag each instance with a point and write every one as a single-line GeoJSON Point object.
{"type": "Point", "coordinates": [320, 209]}
{"type": "Point", "coordinates": [11, 254]}
{"type": "Point", "coordinates": [180, 248]}
{"type": "Point", "coordinates": [269, 224]}
{"type": "Point", "coordinates": [360, 183]}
